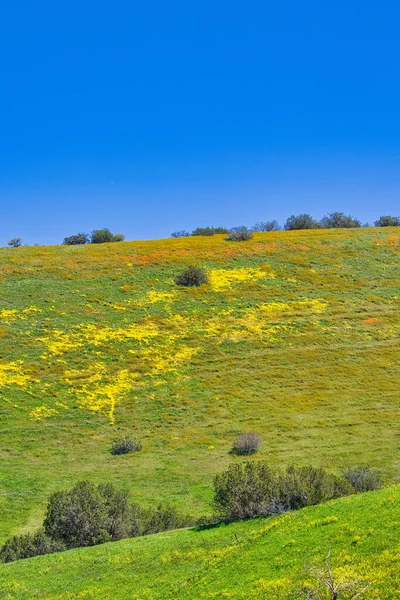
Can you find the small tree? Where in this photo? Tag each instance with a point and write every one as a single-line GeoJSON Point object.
{"type": "Point", "coordinates": [246, 443]}
{"type": "Point", "coordinates": [77, 239]}
{"type": "Point", "coordinates": [302, 221]}
{"type": "Point", "coordinates": [388, 221]}
{"type": "Point", "coordinates": [15, 242]}
{"type": "Point", "coordinates": [330, 587]}
{"type": "Point", "coordinates": [192, 277]}
{"type": "Point", "coordinates": [266, 226]}
{"type": "Point", "coordinates": [239, 234]}
{"type": "Point", "coordinates": [363, 479]}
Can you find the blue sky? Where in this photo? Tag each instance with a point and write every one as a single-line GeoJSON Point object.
{"type": "Point", "coordinates": [156, 116]}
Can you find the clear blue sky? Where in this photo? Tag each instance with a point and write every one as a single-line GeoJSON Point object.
{"type": "Point", "coordinates": [148, 117]}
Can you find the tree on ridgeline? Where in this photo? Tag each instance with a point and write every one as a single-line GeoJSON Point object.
{"type": "Point", "coordinates": [266, 226]}
{"type": "Point", "coordinates": [179, 234]}
{"type": "Point", "coordinates": [239, 234]}
{"type": "Point", "coordinates": [102, 236]}
{"type": "Point", "coordinates": [388, 221]}
{"type": "Point", "coordinates": [77, 239]}
{"type": "Point", "coordinates": [302, 221]}
{"type": "Point", "coordinates": [15, 242]}
{"type": "Point", "coordinates": [338, 220]}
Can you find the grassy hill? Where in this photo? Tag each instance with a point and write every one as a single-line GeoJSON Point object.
{"type": "Point", "coordinates": [296, 336]}
{"type": "Point", "coordinates": [260, 559]}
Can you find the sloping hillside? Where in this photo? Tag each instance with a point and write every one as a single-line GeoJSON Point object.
{"type": "Point", "coordinates": [260, 559]}
{"type": "Point", "coordinates": [296, 336]}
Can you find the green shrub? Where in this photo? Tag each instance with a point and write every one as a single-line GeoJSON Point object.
{"type": "Point", "coordinates": [74, 240]}
{"type": "Point", "coordinates": [307, 486]}
{"type": "Point", "coordinates": [246, 443]}
{"type": "Point", "coordinates": [191, 277]}
{"type": "Point", "coordinates": [255, 489]}
{"type": "Point", "coordinates": [28, 545]}
{"type": "Point", "coordinates": [124, 445]}
{"type": "Point", "coordinates": [239, 234]}
{"type": "Point", "coordinates": [363, 479]}
{"type": "Point", "coordinates": [302, 221]}
{"type": "Point", "coordinates": [87, 515]}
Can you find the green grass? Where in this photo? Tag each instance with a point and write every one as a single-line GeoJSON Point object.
{"type": "Point", "coordinates": [259, 559]}
{"type": "Point", "coordinates": [301, 346]}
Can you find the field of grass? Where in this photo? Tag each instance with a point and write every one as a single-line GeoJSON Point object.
{"type": "Point", "coordinates": [296, 337]}
{"type": "Point", "coordinates": [264, 559]}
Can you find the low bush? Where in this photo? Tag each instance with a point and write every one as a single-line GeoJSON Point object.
{"type": "Point", "coordinates": [363, 479]}
{"type": "Point", "coordinates": [209, 230]}
{"type": "Point", "coordinates": [192, 277]}
{"type": "Point", "coordinates": [28, 545]}
{"type": "Point", "coordinates": [246, 443]}
{"type": "Point", "coordinates": [164, 518]}
{"type": "Point", "coordinates": [239, 234]}
{"type": "Point", "coordinates": [255, 489]}
{"type": "Point", "coordinates": [124, 445]}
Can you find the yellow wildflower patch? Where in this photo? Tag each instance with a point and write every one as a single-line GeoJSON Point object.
{"type": "Point", "coordinates": [222, 279]}
{"type": "Point", "coordinates": [42, 412]}
{"type": "Point", "coordinates": [13, 374]}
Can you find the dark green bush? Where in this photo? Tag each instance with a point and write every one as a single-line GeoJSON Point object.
{"type": "Point", "coordinates": [87, 515]}
{"type": "Point", "coordinates": [255, 489]}
{"type": "Point", "coordinates": [102, 236]}
{"type": "Point", "coordinates": [246, 443]}
{"type": "Point", "coordinates": [302, 221]}
{"type": "Point", "coordinates": [387, 221]}
{"type": "Point", "coordinates": [74, 240]}
{"type": "Point", "coordinates": [124, 445]}
{"type": "Point", "coordinates": [339, 220]}
{"type": "Point", "coordinates": [307, 486]}
{"type": "Point", "coordinates": [239, 234]}
{"type": "Point", "coordinates": [363, 479]}
{"type": "Point", "coordinates": [191, 277]}
{"type": "Point", "coordinates": [28, 545]}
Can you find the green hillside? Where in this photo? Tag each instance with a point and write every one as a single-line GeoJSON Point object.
{"type": "Point", "coordinates": [260, 559]}
{"type": "Point", "coordinates": [296, 336]}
